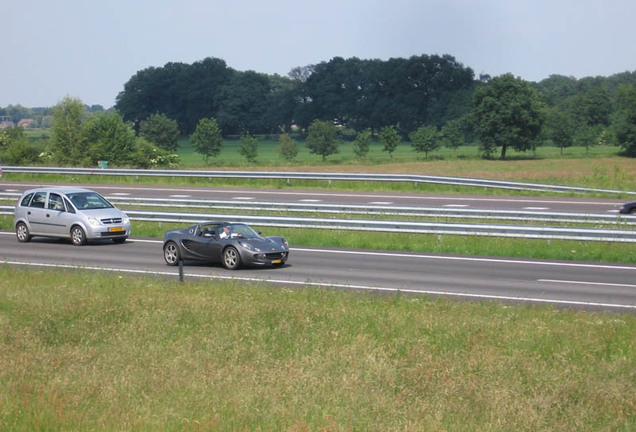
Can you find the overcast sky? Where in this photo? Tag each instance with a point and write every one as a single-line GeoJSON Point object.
{"type": "Point", "coordinates": [90, 48]}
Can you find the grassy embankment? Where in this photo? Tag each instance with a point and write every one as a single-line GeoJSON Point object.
{"type": "Point", "coordinates": [80, 351]}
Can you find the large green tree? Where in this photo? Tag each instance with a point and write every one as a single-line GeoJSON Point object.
{"type": "Point", "coordinates": [161, 131]}
{"type": "Point", "coordinates": [362, 143]}
{"type": "Point", "coordinates": [207, 139]}
{"type": "Point", "coordinates": [15, 148]}
{"type": "Point", "coordinates": [452, 135]}
{"type": "Point", "coordinates": [249, 148]}
{"type": "Point", "coordinates": [243, 103]}
{"type": "Point", "coordinates": [625, 119]}
{"type": "Point", "coordinates": [560, 128]}
{"type": "Point", "coordinates": [109, 138]}
{"type": "Point", "coordinates": [322, 138]}
{"type": "Point", "coordinates": [68, 135]}
{"type": "Point", "coordinates": [507, 113]}
{"type": "Point", "coordinates": [288, 148]}
{"type": "Point", "coordinates": [390, 138]}
{"type": "Point", "coordinates": [425, 139]}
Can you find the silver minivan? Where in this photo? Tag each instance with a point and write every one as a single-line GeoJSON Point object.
{"type": "Point", "coordinates": [69, 212]}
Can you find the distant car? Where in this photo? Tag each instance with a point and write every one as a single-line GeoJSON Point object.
{"type": "Point", "coordinates": [69, 212]}
{"type": "Point", "coordinates": [628, 208]}
{"type": "Point", "coordinates": [231, 244]}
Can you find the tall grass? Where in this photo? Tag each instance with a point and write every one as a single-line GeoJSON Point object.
{"type": "Point", "coordinates": [86, 351]}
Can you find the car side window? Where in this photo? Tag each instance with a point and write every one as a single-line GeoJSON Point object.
{"type": "Point", "coordinates": [38, 200]}
{"type": "Point", "coordinates": [55, 202]}
{"type": "Point", "coordinates": [25, 200]}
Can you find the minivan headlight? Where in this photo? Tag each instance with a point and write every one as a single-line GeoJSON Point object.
{"type": "Point", "coordinates": [93, 221]}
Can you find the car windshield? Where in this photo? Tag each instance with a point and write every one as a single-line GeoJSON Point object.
{"type": "Point", "coordinates": [88, 201]}
{"type": "Point", "coordinates": [236, 230]}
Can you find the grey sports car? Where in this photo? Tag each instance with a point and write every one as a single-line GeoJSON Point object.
{"type": "Point", "coordinates": [231, 244]}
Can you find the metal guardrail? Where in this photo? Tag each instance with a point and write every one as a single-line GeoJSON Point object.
{"type": "Point", "coordinates": [281, 175]}
{"type": "Point", "coordinates": [399, 226]}
{"type": "Point", "coordinates": [254, 206]}
{"type": "Point", "coordinates": [389, 226]}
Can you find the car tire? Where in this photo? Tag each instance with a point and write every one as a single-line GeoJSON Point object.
{"type": "Point", "coordinates": [171, 253]}
{"type": "Point", "coordinates": [78, 236]}
{"type": "Point", "coordinates": [231, 258]}
{"type": "Point", "coordinates": [22, 233]}
{"type": "Point", "coordinates": [119, 240]}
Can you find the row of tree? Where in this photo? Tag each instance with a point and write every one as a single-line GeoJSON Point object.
{"type": "Point", "coordinates": [354, 93]}
{"type": "Point", "coordinates": [428, 100]}
{"type": "Point", "coordinates": [358, 95]}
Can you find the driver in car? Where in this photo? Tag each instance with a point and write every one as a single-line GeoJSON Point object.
{"type": "Point", "coordinates": [225, 233]}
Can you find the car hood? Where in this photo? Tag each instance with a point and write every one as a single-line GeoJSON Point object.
{"type": "Point", "coordinates": [263, 243]}
{"type": "Point", "coordinates": [108, 213]}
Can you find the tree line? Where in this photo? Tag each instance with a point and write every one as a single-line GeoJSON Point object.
{"type": "Point", "coordinates": [428, 101]}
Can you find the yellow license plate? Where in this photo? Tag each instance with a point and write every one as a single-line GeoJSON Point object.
{"type": "Point", "coordinates": [276, 262]}
{"type": "Point", "coordinates": [115, 229]}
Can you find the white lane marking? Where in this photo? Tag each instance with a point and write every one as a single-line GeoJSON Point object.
{"type": "Point", "coordinates": [334, 285]}
{"type": "Point", "coordinates": [536, 208]}
{"type": "Point", "coordinates": [179, 196]}
{"type": "Point", "coordinates": [475, 259]}
{"type": "Point", "coordinates": [455, 205]}
{"type": "Point", "coordinates": [381, 202]}
{"type": "Point", "coordinates": [243, 198]}
{"type": "Point", "coordinates": [120, 193]}
{"type": "Point", "coordinates": [310, 200]}
{"type": "Point", "coordinates": [586, 283]}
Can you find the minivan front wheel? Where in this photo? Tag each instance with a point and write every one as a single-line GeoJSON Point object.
{"type": "Point", "coordinates": [78, 236]}
{"type": "Point", "coordinates": [22, 233]}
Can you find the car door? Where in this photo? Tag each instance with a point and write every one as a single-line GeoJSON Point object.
{"type": "Point", "coordinates": [36, 214]}
{"type": "Point", "coordinates": [59, 218]}
{"type": "Point", "coordinates": [205, 245]}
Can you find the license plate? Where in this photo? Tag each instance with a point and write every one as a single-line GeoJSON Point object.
{"type": "Point", "coordinates": [115, 229]}
{"type": "Point", "coordinates": [276, 262]}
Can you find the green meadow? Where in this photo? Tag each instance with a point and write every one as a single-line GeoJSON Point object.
{"type": "Point", "coordinates": [83, 351]}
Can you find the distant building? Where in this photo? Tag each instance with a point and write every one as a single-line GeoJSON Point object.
{"type": "Point", "coordinates": [5, 122]}
{"type": "Point", "coordinates": [25, 122]}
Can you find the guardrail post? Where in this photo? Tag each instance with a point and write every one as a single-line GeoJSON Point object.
{"type": "Point", "coordinates": [180, 270]}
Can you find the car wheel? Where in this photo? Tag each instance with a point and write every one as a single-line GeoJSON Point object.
{"type": "Point", "coordinates": [78, 236]}
{"type": "Point", "coordinates": [231, 258]}
{"type": "Point", "coordinates": [119, 240]}
{"type": "Point", "coordinates": [171, 254]}
{"type": "Point", "coordinates": [22, 233]}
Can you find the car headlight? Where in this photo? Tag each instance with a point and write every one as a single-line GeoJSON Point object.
{"type": "Point", "coordinates": [249, 247]}
{"type": "Point", "coordinates": [126, 218]}
{"type": "Point", "coordinates": [93, 221]}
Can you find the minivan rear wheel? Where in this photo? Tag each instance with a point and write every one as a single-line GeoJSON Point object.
{"type": "Point", "coordinates": [22, 233]}
{"type": "Point", "coordinates": [78, 236]}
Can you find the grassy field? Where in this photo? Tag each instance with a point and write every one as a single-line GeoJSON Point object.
{"type": "Point", "coordinates": [80, 351]}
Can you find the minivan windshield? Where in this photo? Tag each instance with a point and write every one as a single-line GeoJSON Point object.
{"type": "Point", "coordinates": [88, 201]}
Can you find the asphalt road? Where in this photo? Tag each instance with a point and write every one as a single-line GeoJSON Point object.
{"type": "Point", "coordinates": [553, 204]}
{"type": "Point", "coordinates": [569, 284]}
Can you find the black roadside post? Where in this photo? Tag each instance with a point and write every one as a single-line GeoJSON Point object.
{"type": "Point", "coordinates": [180, 270]}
